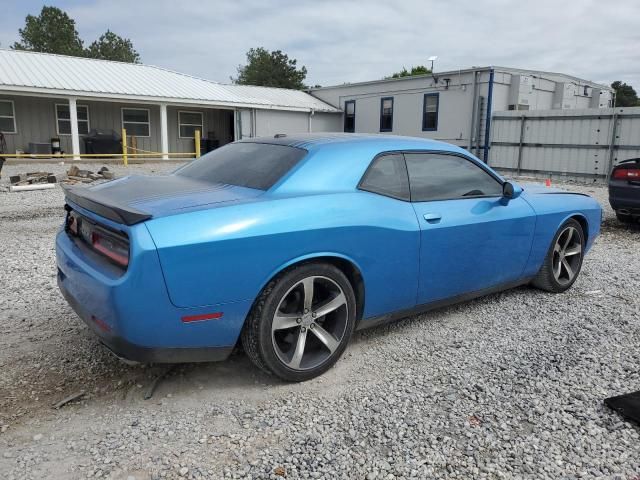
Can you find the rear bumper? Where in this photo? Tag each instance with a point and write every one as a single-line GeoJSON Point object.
{"type": "Point", "coordinates": [131, 312]}
{"type": "Point", "coordinates": [132, 352]}
{"type": "Point", "coordinates": [624, 196]}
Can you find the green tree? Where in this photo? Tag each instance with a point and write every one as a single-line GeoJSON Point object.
{"type": "Point", "coordinates": [113, 47]}
{"type": "Point", "coordinates": [626, 96]}
{"type": "Point", "coordinates": [417, 70]}
{"type": "Point", "coordinates": [271, 69]}
{"type": "Point", "coordinates": [53, 31]}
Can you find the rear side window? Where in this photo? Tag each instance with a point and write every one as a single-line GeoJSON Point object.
{"type": "Point", "coordinates": [387, 176]}
{"type": "Point", "coordinates": [441, 177]}
{"type": "Point", "coordinates": [251, 165]}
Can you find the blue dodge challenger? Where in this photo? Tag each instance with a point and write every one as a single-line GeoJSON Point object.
{"type": "Point", "coordinates": [288, 244]}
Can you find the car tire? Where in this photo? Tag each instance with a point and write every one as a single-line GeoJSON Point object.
{"type": "Point", "coordinates": [563, 261]}
{"type": "Point", "coordinates": [297, 336]}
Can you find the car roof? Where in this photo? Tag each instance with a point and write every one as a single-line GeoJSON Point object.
{"type": "Point", "coordinates": [313, 141]}
{"type": "Point", "coordinates": [337, 161]}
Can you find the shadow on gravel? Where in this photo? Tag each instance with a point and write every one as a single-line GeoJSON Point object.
{"type": "Point", "coordinates": [612, 224]}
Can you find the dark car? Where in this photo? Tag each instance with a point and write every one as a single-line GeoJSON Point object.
{"type": "Point", "coordinates": [624, 190]}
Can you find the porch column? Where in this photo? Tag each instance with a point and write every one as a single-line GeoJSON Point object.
{"type": "Point", "coordinates": [75, 137]}
{"type": "Point", "coordinates": [164, 132]}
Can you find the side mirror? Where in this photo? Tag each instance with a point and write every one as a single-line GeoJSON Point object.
{"type": "Point", "coordinates": [511, 190]}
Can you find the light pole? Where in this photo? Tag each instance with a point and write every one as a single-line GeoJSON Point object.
{"type": "Point", "coordinates": [432, 59]}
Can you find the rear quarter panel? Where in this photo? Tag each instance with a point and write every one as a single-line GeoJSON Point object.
{"type": "Point", "coordinates": [552, 210]}
{"type": "Point", "coordinates": [228, 254]}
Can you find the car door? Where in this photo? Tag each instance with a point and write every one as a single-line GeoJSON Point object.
{"type": "Point", "coordinates": [471, 238]}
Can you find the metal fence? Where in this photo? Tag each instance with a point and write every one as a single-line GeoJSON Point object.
{"type": "Point", "coordinates": [573, 143]}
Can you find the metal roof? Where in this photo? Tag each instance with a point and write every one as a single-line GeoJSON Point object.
{"type": "Point", "coordinates": [553, 76]}
{"type": "Point", "coordinates": [43, 73]}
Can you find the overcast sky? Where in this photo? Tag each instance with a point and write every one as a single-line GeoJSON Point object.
{"type": "Point", "coordinates": [349, 41]}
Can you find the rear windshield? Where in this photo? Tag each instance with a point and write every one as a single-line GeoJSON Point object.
{"type": "Point", "coordinates": [251, 165]}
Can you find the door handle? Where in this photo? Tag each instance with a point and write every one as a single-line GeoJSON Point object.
{"type": "Point", "coordinates": [433, 217]}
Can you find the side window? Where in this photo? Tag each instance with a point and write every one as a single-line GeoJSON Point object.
{"type": "Point", "coordinates": [440, 177]}
{"type": "Point", "coordinates": [136, 122]}
{"type": "Point", "coordinates": [386, 114]}
{"type": "Point", "coordinates": [430, 112]}
{"type": "Point", "coordinates": [350, 116]}
{"type": "Point", "coordinates": [7, 117]}
{"type": "Point", "coordinates": [188, 123]}
{"type": "Point", "coordinates": [63, 119]}
{"type": "Point", "coordinates": [387, 176]}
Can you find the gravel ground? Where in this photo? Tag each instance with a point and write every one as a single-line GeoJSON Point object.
{"type": "Point", "coordinates": [507, 386]}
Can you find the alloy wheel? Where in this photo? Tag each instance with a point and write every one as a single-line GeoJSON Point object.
{"type": "Point", "coordinates": [310, 323]}
{"type": "Point", "coordinates": [567, 255]}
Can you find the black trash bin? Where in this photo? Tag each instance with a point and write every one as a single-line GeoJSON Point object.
{"type": "Point", "coordinates": [102, 140]}
{"type": "Point", "coordinates": [208, 144]}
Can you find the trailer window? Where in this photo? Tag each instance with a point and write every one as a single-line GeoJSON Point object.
{"type": "Point", "coordinates": [350, 116]}
{"type": "Point", "coordinates": [430, 112]}
{"type": "Point", "coordinates": [386, 114]}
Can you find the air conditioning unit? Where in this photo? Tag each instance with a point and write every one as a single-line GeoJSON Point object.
{"type": "Point", "coordinates": [521, 91]}
{"type": "Point", "coordinates": [564, 95]}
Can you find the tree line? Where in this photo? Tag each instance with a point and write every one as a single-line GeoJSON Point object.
{"type": "Point", "coordinates": [53, 31]}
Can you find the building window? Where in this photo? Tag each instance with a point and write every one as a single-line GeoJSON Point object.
{"type": "Point", "coordinates": [430, 112]}
{"type": "Point", "coordinates": [350, 116]}
{"type": "Point", "coordinates": [188, 123]}
{"type": "Point", "coordinates": [63, 119]}
{"type": "Point", "coordinates": [136, 122]}
{"type": "Point", "coordinates": [7, 117]}
{"type": "Point", "coordinates": [386, 114]}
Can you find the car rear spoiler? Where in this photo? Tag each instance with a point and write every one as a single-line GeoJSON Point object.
{"type": "Point", "coordinates": [104, 206]}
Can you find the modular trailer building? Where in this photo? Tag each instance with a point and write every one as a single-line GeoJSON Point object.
{"type": "Point", "coordinates": [457, 106]}
{"type": "Point", "coordinates": [43, 96]}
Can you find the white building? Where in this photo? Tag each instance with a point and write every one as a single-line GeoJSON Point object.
{"type": "Point", "coordinates": [44, 96]}
{"type": "Point", "coordinates": [457, 106]}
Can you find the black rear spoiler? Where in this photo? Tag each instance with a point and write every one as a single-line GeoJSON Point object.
{"type": "Point", "coordinates": [104, 206]}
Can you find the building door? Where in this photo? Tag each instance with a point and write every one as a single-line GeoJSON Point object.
{"type": "Point", "coordinates": [244, 124]}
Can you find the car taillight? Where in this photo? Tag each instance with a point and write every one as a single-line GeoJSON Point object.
{"type": "Point", "coordinates": [110, 247]}
{"type": "Point", "coordinates": [626, 174]}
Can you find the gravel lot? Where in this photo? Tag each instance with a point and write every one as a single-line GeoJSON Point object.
{"type": "Point", "coordinates": [508, 386]}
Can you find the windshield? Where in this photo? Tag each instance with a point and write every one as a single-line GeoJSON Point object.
{"type": "Point", "coordinates": [251, 165]}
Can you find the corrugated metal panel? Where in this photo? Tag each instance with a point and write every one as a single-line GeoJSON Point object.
{"type": "Point", "coordinates": [30, 71]}
{"type": "Point", "coordinates": [576, 142]}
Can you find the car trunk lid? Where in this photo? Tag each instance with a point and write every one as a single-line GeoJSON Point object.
{"type": "Point", "coordinates": [134, 199]}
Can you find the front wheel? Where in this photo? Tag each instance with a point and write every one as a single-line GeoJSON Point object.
{"type": "Point", "coordinates": [301, 323]}
{"type": "Point", "coordinates": [564, 260]}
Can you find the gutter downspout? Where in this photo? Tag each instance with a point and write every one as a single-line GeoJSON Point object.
{"type": "Point", "coordinates": [487, 129]}
{"type": "Point", "coordinates": [312, 112]}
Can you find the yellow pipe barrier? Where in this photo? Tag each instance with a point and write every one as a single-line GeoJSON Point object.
{"type": "Point", "coordinates": [125, 160]}
{"type": "Point", "coordinates": [125, 154]}
{"type": "Point", "coordinates": [93, 155]}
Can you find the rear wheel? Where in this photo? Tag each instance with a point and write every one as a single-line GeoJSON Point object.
{"type": "Point", "coordinates": [301, 323]}
{"type": "Point", "coordinates": [564, 259]}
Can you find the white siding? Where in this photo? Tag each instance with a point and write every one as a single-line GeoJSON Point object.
{"type": "Point", "coordinates": [271, 122]}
